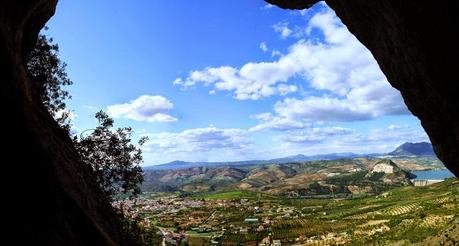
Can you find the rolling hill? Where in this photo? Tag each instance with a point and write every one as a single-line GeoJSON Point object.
{"type": "Point", "coordinates": [309, 178]}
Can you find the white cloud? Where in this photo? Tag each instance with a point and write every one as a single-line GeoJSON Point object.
{"type": "Point", "coordinates": [391, 137]}
{"type": "Point", "coordinates": [347, 80]}
{"type": "Point", "coordinates": [338, 139]}
{"type": "Point", "coordinates": [314, 135]}
{"type": "Point", "coordinates": [200, 140]}
{"type": "Point", "coordinates": [344, 82]}
{"type": "Point", "coordinates": [394, 127]}
{"type": "Point", "coordinates": [399, 135]}
{"type": "Point", "coordinates": [144, 108]}
{"type": "Point", "coordinates": [263, 46]}
{"type": "Point", "coordinates": [379, 140]}
{"type": "Point", "coordinates": [269, 122]}
{"type": "Point", "coordinates": [367, 102]}
{"type": "Point", "coordinates": [283, 29]}
{"type": "Point", "coordinates": [253, 81]}
{"type": "Point", "coordinates": [275, 53]}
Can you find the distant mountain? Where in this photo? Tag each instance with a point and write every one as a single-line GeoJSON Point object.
{"type": "Point", "coordinates": [414, 149]}
{"type": "Point", "coordinates": [283, 160]}
{"type": "Point", "coordinates": [186, 164]}
{"type": "Point", "coordinates": [407, 149]}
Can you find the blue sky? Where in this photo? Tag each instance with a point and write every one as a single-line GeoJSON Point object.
{"type": "Point", "coordinates": [214, 81]}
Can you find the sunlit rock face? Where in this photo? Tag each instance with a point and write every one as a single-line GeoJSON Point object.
{"type": "Point", "coordinates": [383, 168]}
{"type": "Point", "coordinates": [415, 44]}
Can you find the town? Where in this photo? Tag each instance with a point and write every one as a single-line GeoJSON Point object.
{"type": "Point", "coordinates": [221, 221]}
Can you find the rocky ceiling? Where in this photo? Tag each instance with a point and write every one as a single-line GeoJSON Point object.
{"type": "Point", "coordinates": [55, 200]}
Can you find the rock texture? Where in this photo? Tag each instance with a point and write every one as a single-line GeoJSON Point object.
{"type": "Point", "coordinates": [415, 44]}
{"type": "Point", "coordinates": [383, 168]}
{"type": "Point", "coordinates": [56, 200]}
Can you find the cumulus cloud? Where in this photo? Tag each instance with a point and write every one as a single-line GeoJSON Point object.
{"type": "Point", "coordinates": [347, 81]}
{"type": "Point", "coordinates": [283, 29]}
{"type": "Point", "coordinates": [263, 46]}
{"type": "Point", "coordinates": [201, 140]}
{"type": "Point", "coordinates": [253, 81]}
{"type": "Point", "coordinates": [343, 81]}
{"type": "Point", "coordinates": [144, 108]}
{"type": "Point", "coordinates": [363, 103]}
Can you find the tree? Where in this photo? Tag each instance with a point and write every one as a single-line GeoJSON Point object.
{"type": "Point", "coordinates": [49, 78]}
{"type": "Point", "coordinates": [110, 153]}
{"type": "Point", "coordinates": [113, 157]}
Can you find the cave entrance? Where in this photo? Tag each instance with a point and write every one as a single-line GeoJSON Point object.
{"type": "Point", "coordinates": [250, 107]}
{"type": "Point", "coordinates": [312, 85]}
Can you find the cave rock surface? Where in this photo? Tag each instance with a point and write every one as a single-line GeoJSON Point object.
{"type": "Point", "coordinates": [50, 197]}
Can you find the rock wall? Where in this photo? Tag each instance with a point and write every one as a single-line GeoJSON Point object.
{"type": "Point", "coordinates": [415, 44]}
{"type": "Point", "coordinates": [49, 196]}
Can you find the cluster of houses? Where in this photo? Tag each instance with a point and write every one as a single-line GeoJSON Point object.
{"type": "Point", "coordinates": [181, 219]}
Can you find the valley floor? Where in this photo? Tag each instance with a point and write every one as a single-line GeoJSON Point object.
{"type": "Point", "coordinates": [408, 215]}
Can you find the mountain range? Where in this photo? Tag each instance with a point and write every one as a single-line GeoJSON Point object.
{"type": "Point", "coordinates": [406, 149]}
{"type": "Point", "coordinates": [308, 178]}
